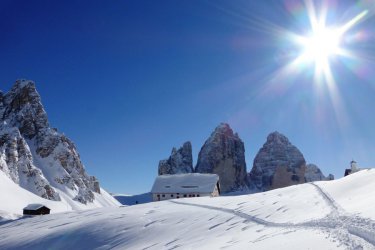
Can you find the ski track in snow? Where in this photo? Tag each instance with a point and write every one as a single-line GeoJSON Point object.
{"type": "Point", "coordinates": [352, 231]}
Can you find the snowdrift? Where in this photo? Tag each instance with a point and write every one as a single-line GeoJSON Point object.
{"type": "Point", "coordinates": [14, 198]}
{"type": "Point", "coordinates": [318, 215]}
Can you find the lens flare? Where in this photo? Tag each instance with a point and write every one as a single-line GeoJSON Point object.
{"type": "Point", "coordinates": [323, 42]}
{"type": "Point", "coordinates": [320, 45]}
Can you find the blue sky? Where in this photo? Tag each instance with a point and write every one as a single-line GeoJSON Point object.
{"type": "Point", "coordinates": [128, 80]}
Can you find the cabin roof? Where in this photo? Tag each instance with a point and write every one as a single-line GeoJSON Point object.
{"type": "Point", "coordinates": [34, 206]}
{"type": "Point", "coordinates": [185, 183]}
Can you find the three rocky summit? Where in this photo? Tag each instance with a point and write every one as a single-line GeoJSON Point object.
{"type": "Point", "coordinates": [277, 164]}
{"type": "Point", "coordinates": [40, 159]}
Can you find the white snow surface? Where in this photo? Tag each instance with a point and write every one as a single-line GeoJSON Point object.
{"type": "Point", "coordinates": [317, 215]}
{"type": "Point", "coordinates": [14, 198]}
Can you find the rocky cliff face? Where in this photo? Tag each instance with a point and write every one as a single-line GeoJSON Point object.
{"type": "Point", "coordinates": [180, 161]}
{"type": "Point", "coordinates": [277, 164]}
{"type": "Point", "coordinates": [36, 156]}
{"type": "Point", "coordinates": [313, 173]}
{"type": "Point", "coordinates": [280, 164]}
{"type": "Point", "coordinates": [17, 163]}
{"type": "Point", "coordinates": [223, 154]}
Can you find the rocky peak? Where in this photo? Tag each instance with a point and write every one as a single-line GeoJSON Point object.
{"type": "Point", "coordinates": [180, 161]}
{"type": "Point", "coordinates": [224, 130]}
{"type": "Point", "coordinates": [35, 155]}
{"type": "Point", "coordinates": [223, 154]}
{"type": "Point", "coordinates": [277, 164]}
{"type": "Point", "coordinates": [16, 162]}
{"type": "Point", "coordinates": [277, 138]}
{"type": "Point", "coordinates": [23, 109]}
{"type": "Point", "coordinates": [313, 173]}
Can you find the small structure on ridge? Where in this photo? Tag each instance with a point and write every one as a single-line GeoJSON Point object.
{"type": "Point", "coordinates": [353, 168]}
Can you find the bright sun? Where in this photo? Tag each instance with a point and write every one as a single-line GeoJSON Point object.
{"type": "Point", "coordinates": [323, 43]}
{"type": "Point", "coordinates": [320, 45]}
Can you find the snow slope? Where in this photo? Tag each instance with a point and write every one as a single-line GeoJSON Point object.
{"type": "Point", "coordinates": [133, 199]}
{"type": "Point", "coordinates": [40, 159]}
{"type": "Point", "coordinates": [14, 198]}
{"type": "Point", "coordinates": [308, 216]}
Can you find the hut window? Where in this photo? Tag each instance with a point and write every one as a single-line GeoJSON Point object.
{"type": "Point", "coordinates": [163, 195]}
{"type": "Point", "coordinates": [171, 195]}
{"type": "Point", "coordinates": [197, 195]}
{"type": "Point", "coordinates": [184, 195]}
{"type": "Point", "coordinates": [158, 195]}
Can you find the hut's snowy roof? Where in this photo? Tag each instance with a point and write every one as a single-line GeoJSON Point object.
{"type": "Point", "coordinates": [34, 206]}
{"type": "Point", "coordinates": [185, 183]}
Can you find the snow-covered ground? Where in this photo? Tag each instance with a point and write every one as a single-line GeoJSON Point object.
{"type": "Point", "coordinates": [322, 215]}
{"type": "Point", "coordinates": [14, 198]}
{"type": "Point", "coordinates": [133, 199]}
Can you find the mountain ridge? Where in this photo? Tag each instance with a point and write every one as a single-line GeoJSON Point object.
{"type": "Point", "coordinates": [277, 164]}
{"type": "Point", "coordinates": [37, 157]}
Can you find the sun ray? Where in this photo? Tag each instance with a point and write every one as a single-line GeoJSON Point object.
{"type": "Point", "coordinates": [353, 22]}
{"type": "Point", "coordinates": [323, 42]}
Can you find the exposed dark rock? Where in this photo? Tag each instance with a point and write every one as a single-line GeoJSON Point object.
{"type": "Point", "coordinates": [16, 162]}
{"type": "Point", "coordinates": [223, 154]}
{"type": "Point", "coordinates": [313, 173]}
{"type": "Point", "coordinates": [180, 161]}
{"type": "Point", "coordinates": [277, 164]}
{"type": "Point", "coordinates": [23, 109]}
{"type": "Point", "coordinates": [38, 155]}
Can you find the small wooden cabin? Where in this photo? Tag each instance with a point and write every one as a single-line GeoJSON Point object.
{"type": "Point", "coordinates": [36, 209]}
{"type": "Point", "coordinates": [184, 186]}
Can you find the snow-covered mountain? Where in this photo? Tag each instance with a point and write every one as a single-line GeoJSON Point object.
{"type": "Point", "coordinates": [38, 158]}
{"type": "Point", "coordinates": [335, 214]}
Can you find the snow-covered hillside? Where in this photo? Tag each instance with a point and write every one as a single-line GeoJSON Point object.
{"type": "Point", "coordinates": [322, 215]}
{"type": "Point", "coordinates": [38, 158]}
{"type": "Point", "coordinates": [14, 198]}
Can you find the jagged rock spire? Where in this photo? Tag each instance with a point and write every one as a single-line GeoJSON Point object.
{"type": "Point", "coordinates": [23, 109]}
{"type": "Point", "coordinates": [35, 155]}
{"type": "Point", "coordinates": [223, 153]}
{"type": "Point", "coordinates": [180, 161]}
{"type": "Point", "coordinates": [277, 164]}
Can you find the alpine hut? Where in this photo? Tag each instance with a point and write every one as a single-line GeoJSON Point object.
{"type": "Point", "coordinates": [185, 185]}
{"type": "Point", "coordinates": [36, 209]}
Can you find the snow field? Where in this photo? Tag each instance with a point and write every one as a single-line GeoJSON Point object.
{"type": "Point", "coordinates": [308, 216]}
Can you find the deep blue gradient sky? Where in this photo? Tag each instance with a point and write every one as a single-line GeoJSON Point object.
{"type": "Point", "coordinates": [128, 80]}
